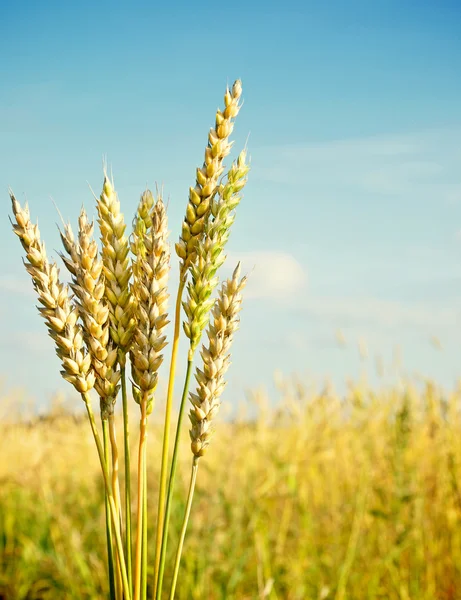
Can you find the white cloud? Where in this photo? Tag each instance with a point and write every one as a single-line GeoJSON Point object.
{"type": "Point", "coordinates": [272, 275]}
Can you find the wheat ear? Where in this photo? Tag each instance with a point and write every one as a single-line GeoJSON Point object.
{"type": "Point", "coordinates": [216, 360]}
{"type": "Point", "coordinates": [117, 269]}
{"type": "Point", "coordinates": [207, 177]}
{"type": "Point", "coordinates": [151, 267]}
{"type": "Point", "coordinates": [86, 267]}
{"type": "Point", "coordinates": [56, 307]}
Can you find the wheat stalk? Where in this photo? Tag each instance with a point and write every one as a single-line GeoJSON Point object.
{"type": "Point", "coordinates": [197, 213]}
{"type": "Point", "coordinates": [209, 258]}
{"type": "Point", "coordinates": [210, 379]}
{"type": "Point", "coordinates": [88, 283]}
{"type": "Point", "coordinates": [122, 304]}
{"type": "Point", "coordinates": [61, 319]}
{"type": "Point", "coordinates": [150, 267]}
{"type": "Point", "coordinates": [86, 267]}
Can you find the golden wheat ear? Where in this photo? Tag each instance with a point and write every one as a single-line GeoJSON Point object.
{"type": "Point", "coordinates": [56, 308]}
{"type": "Point", "coordinates": [88, 284]}
{"type": "Point", "coordinates": [207, 177]}
{"type": "Point", "coordinates": [216, 360]}
{"type": "Point", "coordinates": [151, 267]}
{"type": "Point", "coordinates": [117, 269]}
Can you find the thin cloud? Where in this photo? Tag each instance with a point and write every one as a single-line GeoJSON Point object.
{"type": "Point", "coordinates": [272, 275]}
{"type": "Point", "coordinates": [386, 313]}
{"type": "Point", "coordinates": [420, 164]}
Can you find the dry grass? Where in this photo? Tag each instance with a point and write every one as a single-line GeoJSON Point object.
{"type": "Point", "coordinates": [318, 498]}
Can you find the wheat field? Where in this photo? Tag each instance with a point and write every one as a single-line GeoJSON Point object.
{"type": "Point", "coordinates": [318, 497]}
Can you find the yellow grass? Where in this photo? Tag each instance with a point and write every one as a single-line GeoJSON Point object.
{"type": "Point", "coordinates": [320, 497]}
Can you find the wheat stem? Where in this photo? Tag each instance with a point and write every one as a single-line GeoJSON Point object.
{"type": "Point", "coordinates": [182, 535]}
{"type": "Point", "coordinates": [140, 516]}
{"type": "Point", "coordinates": [169, 495]}
{"type": "Point", "coordinates": [110, 554]}
{"type": "Point", "coordinates": [110, 494]}
{"type": "Point", "coordinates": [166, 434]}
{"type": "Point", "coordinates": [144, 533]}
{"type": "Point", "coordinates": [126, 439]}
{"type": "Point", "coordinates": [116, 489]}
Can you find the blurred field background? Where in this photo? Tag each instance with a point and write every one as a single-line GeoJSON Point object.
{"type": "Point", "coordinates": [319, 496]}
{"type": "Point", "coordinates": [351, 220]}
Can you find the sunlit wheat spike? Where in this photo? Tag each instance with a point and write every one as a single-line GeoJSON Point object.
{"type": "Point", "coordinates": [56, 308]}
{"type": "Point", "coordinates": [151, 266]}
{"type": "Point", "coordinates": [142, 227]}
{"type": "Point", "coordinates": [85, 265]}
{"type": "Point", "coordinates": [201, 196]}
{"type": "Point", "coordinates": [216, 361]}
{"type": "Point", "coordinates": [117, 269]}
{"type": "Point", "coordinates": [210, 251]}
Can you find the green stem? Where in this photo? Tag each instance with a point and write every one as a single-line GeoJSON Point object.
{"type": "Point", "coordinates": [166, 433]}
{"type": "Point", "coordinates": [116, 491]}
{"type": "Point", "coordinates": [174, 463]}
{"type": "Point", "coordinates": [140, 502]}
{"type": "Point", "coordinates": [110, 494]}
{"type": "Point", "coordinates": [110, 555]}
{"type": "Point", "coordinates": [144, 533]}
{"type": "Point", "coordinates": [190, 497]}
{"type": "Point", "coordinates": [126, 437]}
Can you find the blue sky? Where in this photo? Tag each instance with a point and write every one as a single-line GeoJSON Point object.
{"type": "Point", "coordinates": [352, 217]}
